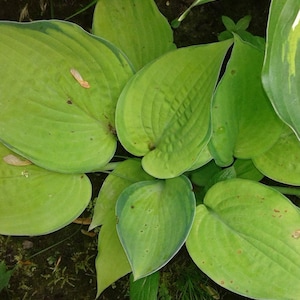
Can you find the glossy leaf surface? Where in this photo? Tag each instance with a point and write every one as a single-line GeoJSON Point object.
{"type": "Point", "coordinates": [46, 115]}
{"type": "Point", "coordinates": [148, 213]}
{"type": "Point", "coordinates": [281, 75]}
{"type": "Point", "coordinates": [246, 238]}
{"type": "Point", "coordinates": [163, 113]}
{"type": "Point", "coordinates": [34, 201]}
{"type": "Point", "coordinates": [136, 27]}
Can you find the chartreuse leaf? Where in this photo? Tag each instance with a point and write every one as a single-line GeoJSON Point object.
{"type": "Point", "coordinates": [163, 113]}
{"type": "Point", "coordinates": [243, 120]}
{"type": "Point", "coordinates": [34, 201]}
{"type": "Point", "coordinates": [282, 161]}
{"type": "Point", "coordinates": [245, 237]}
{"type": "Point", "coordinates": [281, 77]}
{"type": "Point", "coordinates": [148, 213]}
{"type": "Point", "coordinates": [48, 117]}
{"type": "Point", "coordinates": [111, 261]}
{"type": "Point", "coordinates": [136, 27]}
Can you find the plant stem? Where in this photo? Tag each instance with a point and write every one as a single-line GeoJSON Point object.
{"type": "Point", "coordinates": [110, 166]}
{"type": "Point", "coordinates": [82, 10]}
{"type": "Point", "coordinates": [287, 190]}
{"type": "Point", "coordinates": [56, 244]}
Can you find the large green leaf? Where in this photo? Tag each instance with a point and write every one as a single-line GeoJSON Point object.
{"type": "Point", "coordinates": [136, 27]}
{"type": "Point", "coordinates": [163, 113]}
{"type": "Point", "coordinates": [34, 201]}
{"type": "Point", "coordinates": [282, 161]}
{"type": "Point", "coordinates": [45, 114]}
{"type": "Point", "coordinates": [246, 238]}
{"type": "Point", "coordinates": [281, 77]}
{"type": "Point", "coordinates": [154, 219]}
{"type": "Point", "coordinates": [244, 122]}
{"type": "Point", "coordinates": [111, 261]}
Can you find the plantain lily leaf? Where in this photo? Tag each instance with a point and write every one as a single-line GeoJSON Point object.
{"type": "Point", "coordinates": [282, 61]}
{"type": "Point", "coordinates": [148, 212]}
{"type": "Point", "coordinates": [163, 113]}
{"type": "Point", "coordinates": [246, 169]}
{"type": "Point", "coordinates": [243, 226]}
{"type": "Point", "coordinates": [136, 27]}
{"type": "Point", "coordinates": [59, 90]}
{"type": "Point", "coordinates": [203, 158]}
{"type": "Point", "coordinates": [111, 261]}
{"type": "Point", "coordinates": [281, 162]}
{"type": "Point", "coordinates": [243, 120]}
{"type": "Point", "coordinates": [34, 201]}
{"type": "Point", "coordinates": [145, 288]}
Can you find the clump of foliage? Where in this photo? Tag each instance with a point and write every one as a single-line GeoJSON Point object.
{"type": "Point", "coordinates": [198, 144]}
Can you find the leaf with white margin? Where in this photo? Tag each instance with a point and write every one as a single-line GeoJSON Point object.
{"type": "Point", "coordinates": [45, 114]}
{"type": "Point", "coordinates": [163, 112]}
{"type": "Point", "coordinates": [148, 213]}
{"type": "Point", "coordinates": [34, 201]}
{"type": "Point", "coordinates": [245, 238]}
{"type": "Point", "coordinates": [280, 76]}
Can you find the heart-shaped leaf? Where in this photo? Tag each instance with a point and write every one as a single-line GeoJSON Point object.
{"type": "Point", "coordinates": [148, 213]}
{"type": "Point", "coordinates": [34, 201]}
{"type": "Point", "coordinates": [111, 261]}
{"type": "Point", "coordinates": [163, 113]}
{"type": "Point", "coordinates": [136, 27]}
{"type": "Point", "coordinates": [246, 238]}
{"type": "Point", "coordinates": [244, 122]}
{"type": "Point", "coordinates": [281, 75]}
{"type": "Point", "coordinates": [59, 90]}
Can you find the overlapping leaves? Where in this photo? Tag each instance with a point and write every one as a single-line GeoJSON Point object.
{"type": "Point", "coordinates": [45, 114]}
{"type": "Point", "coordinates": [281, 76]}
{"type": "Point", "coordinates": [34, 201]}
{"type": "Point", "coordinates": [163, 113]}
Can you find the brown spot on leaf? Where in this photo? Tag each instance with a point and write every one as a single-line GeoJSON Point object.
{"type": "Point", "coordinates": [151, 146]}
{"type": "Point", "coordinates": [296, 234]}
{"type": "Point", "coordinates": [13, 160]}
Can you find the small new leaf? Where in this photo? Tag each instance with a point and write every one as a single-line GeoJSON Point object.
{"type": "Point", "coordinates": [228, 23]}
{"type": "Point", "coordinates": [243, 23]}
{"type": "Point", "coordinates": [4, 275]}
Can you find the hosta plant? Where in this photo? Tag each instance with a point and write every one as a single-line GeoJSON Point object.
{"type": "Point", "coordinates": [199, 141]}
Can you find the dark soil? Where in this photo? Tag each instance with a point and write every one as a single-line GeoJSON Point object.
{"type": "Point", "coordinates": [66, 271]}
